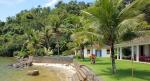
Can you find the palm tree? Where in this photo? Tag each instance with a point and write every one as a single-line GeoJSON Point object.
{"type": "Point", "coordinates": [45, 36]}
{"type": "Point", "coordinates": [110, 14]}
{"type": "Point", "coordinates": [85, 35]}
{"type": "Point", "coordinates": [33, 42]}
{"type": "Point", "coordinates": [56, 21]}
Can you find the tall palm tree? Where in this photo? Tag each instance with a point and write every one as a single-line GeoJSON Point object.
{"type": "Point", "coordinates": [56, 21]}
{"type": "Point", "coordinates": [110, 14]}
{"type": "Point", "coordinates": [33, 41]}
{"type": "Point", "coordinates": [85, 35]}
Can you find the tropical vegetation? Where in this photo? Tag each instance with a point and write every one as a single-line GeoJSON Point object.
{"type": "Point", "coordinates": [41, 31]}
{"type": "Point", "coordinates": [71, 26]}
{"type": "Point", "coordinates": [114, 18]}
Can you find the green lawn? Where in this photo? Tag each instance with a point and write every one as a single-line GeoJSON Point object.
{"type": "Point", "coordinates": [102, 68]}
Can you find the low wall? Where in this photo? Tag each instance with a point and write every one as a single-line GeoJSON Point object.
{"type": "Point", "coordinates": [83, 73]}
{"type": "Point", "coordinates": [54, 59]}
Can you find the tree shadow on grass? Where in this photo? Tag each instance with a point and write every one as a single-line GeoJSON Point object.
{"type": "Point", "coordinates": [102, 63]}
{"type": "Point", "coordinates": [124, 73]}
{"type": "Point", "coordinates": [88, 60]}
{"type": "Point", "coordinates": [98, 62]}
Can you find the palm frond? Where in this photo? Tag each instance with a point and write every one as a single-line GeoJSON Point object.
{"type": "Point", "coordinates": [129, 6]}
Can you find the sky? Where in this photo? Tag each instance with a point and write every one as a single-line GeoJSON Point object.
{"type": "Point", "coordinates": [12, 7]}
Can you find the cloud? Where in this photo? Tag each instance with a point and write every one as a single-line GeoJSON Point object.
{"type": "Point", "coordinates": [51, 3]}
{"type": "Point", "coordinates": [10, 2]}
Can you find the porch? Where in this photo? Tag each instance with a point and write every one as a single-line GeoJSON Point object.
{"type": "Point", "coordinates": [138, 49]}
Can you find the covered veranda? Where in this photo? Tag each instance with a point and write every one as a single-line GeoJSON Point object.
{"type": "Point", "coordinates": [138, 49]}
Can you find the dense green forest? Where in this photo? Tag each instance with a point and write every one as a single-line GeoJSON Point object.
{"type": "Point", "coordinates": [41, 31]}
{"type": "Point", "coordinates": [44, 31]}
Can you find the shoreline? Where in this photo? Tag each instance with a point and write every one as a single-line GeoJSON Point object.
{"type": "Point", "coordinates": [67, 70]}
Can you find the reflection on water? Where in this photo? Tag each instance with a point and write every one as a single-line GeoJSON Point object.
{"type": "Point", "coordinates": [46, 74]}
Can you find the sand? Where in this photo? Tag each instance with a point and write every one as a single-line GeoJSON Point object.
{"type": "Point", "coordinates": [67, 70]}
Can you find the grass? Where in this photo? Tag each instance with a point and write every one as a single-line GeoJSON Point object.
{"type": "Point", "coordinates": [102, 68]}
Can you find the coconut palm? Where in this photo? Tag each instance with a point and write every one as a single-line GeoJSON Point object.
{"type": "Point", "coordinates": [56, 21]}
{"type": "Point", "coordinates": [85, 35]}
{"type": "Point", "coordinates": [110, 15]}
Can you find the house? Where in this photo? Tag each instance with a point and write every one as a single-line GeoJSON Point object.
{"type": "Point", "coordinates": [138, 49]}
{"type": "Point", "coordinates": [99, 52]}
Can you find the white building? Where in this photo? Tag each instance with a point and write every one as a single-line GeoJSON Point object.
{"type": "Point", "coordinates": [139, 49]}
{"type": "Point", "coordinates": [99, 52]}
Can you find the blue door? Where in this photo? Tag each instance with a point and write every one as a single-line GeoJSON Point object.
{"type": "Point", "coordinates": [98, 53]}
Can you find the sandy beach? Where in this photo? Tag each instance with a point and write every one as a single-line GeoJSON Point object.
{"type": "Point", "coordinates": [65, 69]}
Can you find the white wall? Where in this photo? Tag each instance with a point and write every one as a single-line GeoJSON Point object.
{"type": "Point", "coordinates": [85, 52]}
{"type": "Point", "coordinates": [94, 51]}
{"type": "Point", "coordinates": [104, 52]}
{"type": "Point", "coordinates": [91, 51]}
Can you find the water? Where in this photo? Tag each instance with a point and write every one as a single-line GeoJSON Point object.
{"type": "Point", "coordinates": [10, 74]}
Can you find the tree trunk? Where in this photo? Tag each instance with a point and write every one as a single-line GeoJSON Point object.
{"type": "Point", "coordinates": [58, 49]}
{"type": "Point", "coordinates": [58, 40]}
{"type": "Point", "coordinates": [82, 55]}
{"type": "Point", "coordinates": [47, 41]}
{"type": "Point", "coordinates": [113, 58]}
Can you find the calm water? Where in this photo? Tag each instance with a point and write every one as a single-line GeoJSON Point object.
{"type": "Point", "coordinates": [46, 74]}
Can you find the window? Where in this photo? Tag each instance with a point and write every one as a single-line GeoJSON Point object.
{"type": "Point", "coordinates": [88, 51]}
{"type": "Point", "coordinates": [108, 51]}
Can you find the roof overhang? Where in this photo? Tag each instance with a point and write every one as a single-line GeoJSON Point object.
{"type": "Point", "coordinates": [142, 40]}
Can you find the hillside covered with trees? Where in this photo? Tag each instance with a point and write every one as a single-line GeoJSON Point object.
{"type": "Point", "coordinates": [41, 31]}
{"type": "Point", "coordinates": [59, 31]}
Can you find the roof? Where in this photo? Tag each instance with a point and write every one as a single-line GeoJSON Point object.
{"type": "Point", "coordinates": [97, 46]}
{"type": "Point", "coordinates": [141, 40]}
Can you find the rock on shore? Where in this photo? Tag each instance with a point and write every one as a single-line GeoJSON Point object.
{"type": "Point", "coordinates": [33, 73]}
{"type": "Point", "coordinates": [22, 63]}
